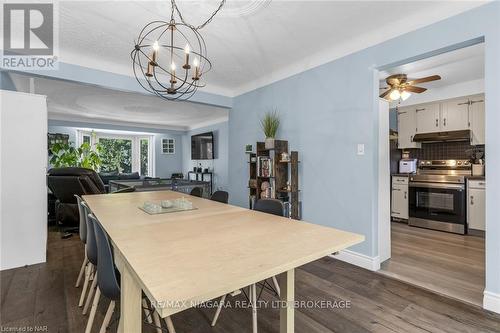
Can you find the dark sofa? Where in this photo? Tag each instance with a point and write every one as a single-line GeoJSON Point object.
{"type": "Point", "coordinates": [106, 177]}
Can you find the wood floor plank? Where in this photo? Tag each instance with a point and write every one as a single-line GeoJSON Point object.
{"type": "Point", "coordinates": [378, 303]}
{"type": "Point", "coordinates": [449, 264]}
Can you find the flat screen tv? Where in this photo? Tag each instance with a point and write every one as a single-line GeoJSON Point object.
{"type": "Point", "coordinates": [202, 146]}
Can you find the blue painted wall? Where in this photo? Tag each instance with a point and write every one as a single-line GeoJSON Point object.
{"type": "Point", "coordinates": [328, 110]}
{"type": "Point", "coordinates": [165, 164]}
{"type": "Point", "coordinates": [220, 163]}
{"type": "Point", "coordinates": [6, 82]}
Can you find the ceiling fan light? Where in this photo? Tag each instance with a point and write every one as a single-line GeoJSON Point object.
{"type": "Point", "coordinates": [395, 95]}
{"type": "Point", "coordinates": [405, 95]}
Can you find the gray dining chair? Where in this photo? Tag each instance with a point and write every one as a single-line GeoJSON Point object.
{"type": "Point", "coordinates": [91, 273]}
{"type": "Point", "coordinates": [83, 237]}
{"type": "Point", "coordinates": [108, 284]}
{"type": "Point", "coordinates": [197, 192]}
{"type": "Point", "coordinates": [220, 196]}
{"type": "Point", "coordinates": [269, 206]}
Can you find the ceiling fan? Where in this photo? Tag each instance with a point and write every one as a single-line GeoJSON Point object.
{"type": "Point", "coordinates": [401, 88]}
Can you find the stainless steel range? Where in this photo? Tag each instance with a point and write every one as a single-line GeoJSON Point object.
{"type": "Point", "coordinates": [437, 195]}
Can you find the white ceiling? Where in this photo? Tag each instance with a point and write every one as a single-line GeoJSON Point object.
{"type": "Point", "coordinates": [251, 43]}
{"type": "Point", "coordinates": [454, 67]}
{"type": "Point", "coordinates": [84, 103]}
{"type": "Point", "coordinates": [461, 71]}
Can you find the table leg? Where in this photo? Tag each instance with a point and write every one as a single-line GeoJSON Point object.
{"type": "Point", "coordinates": [131, 305]}
{"type": "Point", "coordinates": [253, 296]}
{"type": "Point", "coordinates": [287, 297]}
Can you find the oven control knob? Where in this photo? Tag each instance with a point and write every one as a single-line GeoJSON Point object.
{"type": "Point", "coordinates": [459, 162]}
{"type": "Point", "coordinates": [466, 163]}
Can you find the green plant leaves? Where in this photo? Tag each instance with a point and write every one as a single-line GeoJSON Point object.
{"type": "Point", "coordinates": [270, 123]}
{"type": "Point", "coordinates": [65, 155]}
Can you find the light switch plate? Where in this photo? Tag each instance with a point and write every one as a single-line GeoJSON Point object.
{"type": "Point", "coordinates": [361, 149]}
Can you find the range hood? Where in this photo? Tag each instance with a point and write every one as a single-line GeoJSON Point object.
{"type": "Point", "coordinates": [462, 135]}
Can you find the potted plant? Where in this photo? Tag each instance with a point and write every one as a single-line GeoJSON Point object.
{"type": "Point", "coordinates": [270, 124]}
{"type": "Point", "coordinates": [65, 155]}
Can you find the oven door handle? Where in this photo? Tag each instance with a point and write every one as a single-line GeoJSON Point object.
{"type": "Point", "coordinates": [438, 185]}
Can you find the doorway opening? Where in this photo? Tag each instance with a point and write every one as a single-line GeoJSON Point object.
{"type": "Point", "coordinates": [432, 155]}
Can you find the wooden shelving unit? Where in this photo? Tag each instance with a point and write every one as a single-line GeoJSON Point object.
{"type": "Point", "coordinates": [280, 173]}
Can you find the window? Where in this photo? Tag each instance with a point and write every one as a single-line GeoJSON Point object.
{"type": "Point", "coordinates": [144, 157]}
{"type": "Point", "coordinates": [86, 139]}
{"type": "Point", "coordinates": [168, 146]}
{"type": "Point", "coordinates": [122, 152]}
{"type": "Point", "coordinates": [116, 154]}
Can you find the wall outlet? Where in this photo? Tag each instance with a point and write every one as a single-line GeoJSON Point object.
{"type": "Point", "coordinates": [361, 149]}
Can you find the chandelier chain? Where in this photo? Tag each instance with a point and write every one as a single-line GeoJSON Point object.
{"type": "Point", "coordinates": [201, 26]}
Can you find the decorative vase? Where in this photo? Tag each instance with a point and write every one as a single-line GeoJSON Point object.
{"type": "Point", "coordinates": [269, 143]}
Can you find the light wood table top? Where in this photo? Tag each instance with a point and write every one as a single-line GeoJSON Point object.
{"type": "Point", "coordinates": [195, 256]}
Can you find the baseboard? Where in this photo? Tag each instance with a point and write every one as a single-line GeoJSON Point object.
{"type": "Point", "coordinates": [491, 301]}
{"type": "Point", "coordinates": [358, 259]}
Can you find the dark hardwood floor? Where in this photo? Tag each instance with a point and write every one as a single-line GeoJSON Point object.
{"type": "Point", "coordinates": [44, 295]}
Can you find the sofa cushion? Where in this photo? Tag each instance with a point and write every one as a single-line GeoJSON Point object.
{"type": "Point", "coordinates": [107, 176]}
{"type": "Point", "coordinates": [131, 175]}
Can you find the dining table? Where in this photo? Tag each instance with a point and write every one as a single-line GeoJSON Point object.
{"type": "Point", "coordinates": [182, 259]}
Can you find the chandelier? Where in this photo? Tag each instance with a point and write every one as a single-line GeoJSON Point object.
{"type": "Point", "coordinates": [170, 58]}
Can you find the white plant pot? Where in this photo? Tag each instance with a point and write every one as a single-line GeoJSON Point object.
{"type": "Point", "coordinates": [269, 143]}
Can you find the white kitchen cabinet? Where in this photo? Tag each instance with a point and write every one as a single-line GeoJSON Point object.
{"type": "Point", "coordinates": [428, 118]}
{"type": "Point", "coordinates": [455, 115]}
{"type": "Point", "coordinates": [477, 119]}
{"type": "Point", "coordinates": [476, 210]}
{"type": "Point", "coordinates": [406, 128]}
{"type": "Point", "coordinates": [399, 199]}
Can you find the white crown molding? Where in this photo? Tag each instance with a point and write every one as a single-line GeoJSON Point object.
{"type": "Point", "coordinates": [491, 301]}
{"type": "Point", "coordinates": [71, 58]}
{"type": "Point", "coordinates": [106, 121]}
{"type": "Point", "coordinates": [358, 259]}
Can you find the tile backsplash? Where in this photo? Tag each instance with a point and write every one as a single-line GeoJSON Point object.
{"type": "Point", "coordinates": [444, 151]}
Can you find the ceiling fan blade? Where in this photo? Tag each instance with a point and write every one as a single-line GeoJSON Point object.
{"type": "Point", "coordinates": [383, 95]}
{"type": "Point", "coordinates": [425, 79]}
{"type": "Point", "coordinates": [414, 89]}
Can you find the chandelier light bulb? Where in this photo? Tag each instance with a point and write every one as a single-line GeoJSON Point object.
{"type": "Point", "coordinates": [405, 95]}
{"type": "Point", "coordinates": [395, 95]}
{"type": "Point", "coordinates": [156, 46]}
{"type": "Point", "coordinates": [196, 62]}
{"type": "Point", "coordinates": [187, 49]}
{"type": "Point", "coordinates": [172, 66]}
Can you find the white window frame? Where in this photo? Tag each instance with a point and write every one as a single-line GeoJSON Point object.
{"type": "Point", "coordinates": [170, 141]}
{"type": "Point", "coordinates": [136, 146]}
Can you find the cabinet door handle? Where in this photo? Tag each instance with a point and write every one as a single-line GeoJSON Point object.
{"type": "Point", "coordinates": [420, 109]}
{"type": "Point", "coordinates": [405, 194]}
{"type": "Point", "coordinates": [411, 137]}
{"type": "Point", "coordinates": [444, 122]}
{"type": "Point", "coordinates": [396, 189]}
{"type": "Point", "coordinates": [437, 122]}
{"type": "Point", "coordinates": [465, 103]}
{"type": "Point", "coordinates": [471, 199]}
{"type": "Point", "coordinates": [473, 102]}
